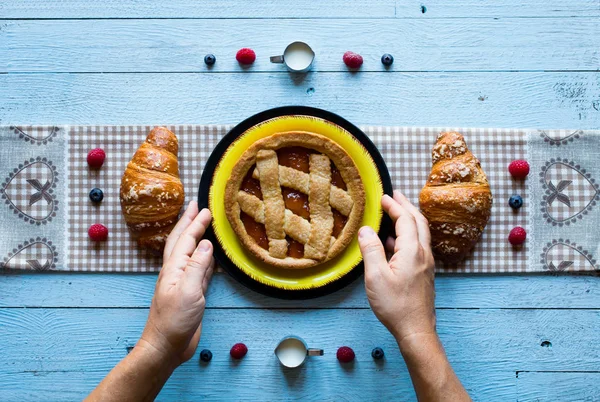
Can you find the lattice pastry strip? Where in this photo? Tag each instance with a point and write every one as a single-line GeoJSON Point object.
{"type": "Point", "coordinates": [268, 168]}
{"type": "Point", "coordinates": [321, 216]}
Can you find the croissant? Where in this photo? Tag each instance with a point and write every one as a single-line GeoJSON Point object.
{"type": "Point", "coordinates": [151, 193]}
{"type": "Point", "coordinates": [456, 199]}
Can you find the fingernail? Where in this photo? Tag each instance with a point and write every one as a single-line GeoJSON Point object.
{"type": "Point", "coordinates": [204, 246]}
{"type": "Point", "coordinates": [366, 233]}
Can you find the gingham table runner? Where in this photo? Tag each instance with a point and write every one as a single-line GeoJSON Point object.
{"type": "Point", "coordinates": [45, 210]}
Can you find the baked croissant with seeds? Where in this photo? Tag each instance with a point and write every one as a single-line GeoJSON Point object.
{"type": "Point", "coordinates": [456, 199]}
{"type": "Point", "coordinates": [151, 193]}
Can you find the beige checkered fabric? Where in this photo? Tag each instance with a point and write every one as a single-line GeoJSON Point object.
{"type": "Point", "coordinates": [120, 253]}
{"type": "Point", "coordinates": [405, 150]}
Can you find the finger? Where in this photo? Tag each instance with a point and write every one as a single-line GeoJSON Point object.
{"type": "Point", "coordinates": [404, 222]}
{"type": "Point", "coordinates": [372, 252]}
{"type": "Point", "coordinates": [208, 275]}
{"type": "Point", "coordinates": [186, 219]}
{"type": "Point", "coordinates": [186, 244]}
{"type": "Point", "coordinates": [422, 224]}
{"type": "Point", "coordinates": [197, 267]}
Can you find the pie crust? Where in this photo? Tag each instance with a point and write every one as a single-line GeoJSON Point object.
{"type": "Point", "coordinates": [327, 197]}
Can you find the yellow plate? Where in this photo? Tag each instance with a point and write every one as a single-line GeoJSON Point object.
{"type": "Point", "coordinates": [295, 279]}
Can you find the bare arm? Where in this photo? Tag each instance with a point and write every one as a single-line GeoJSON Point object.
{"type": "Point", "coordinates": [174, 324]}
{"type": "Point", "coordinates": [401, 294]}
{"type": "Point", "coordinates": [430, 370]}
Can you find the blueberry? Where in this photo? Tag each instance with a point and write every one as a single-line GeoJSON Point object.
{"type": "Point", "coordinates": [377, 353]}
{"type": "Point", "coordinates": [210, 59]}
{"type": "Point", "coordinates": [387, 59]}
{"type": "Point", "coordinates": [205, 355]}
{"type": "Point", "coordinates": [515, 202]}
{"type": "Point", "coordinates": [96, 195]}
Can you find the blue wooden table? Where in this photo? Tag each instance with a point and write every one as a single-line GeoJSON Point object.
{"type": "Point", "coordinates": [460, 63]}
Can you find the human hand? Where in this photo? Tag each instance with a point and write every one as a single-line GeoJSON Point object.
{"type": "Point", "coordinates": [401, 291]}
{"type": "Point", "coordinates": [174, 323]}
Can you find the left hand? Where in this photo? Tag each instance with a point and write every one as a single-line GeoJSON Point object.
{"type": "Point", "coordinates": [175, 320]}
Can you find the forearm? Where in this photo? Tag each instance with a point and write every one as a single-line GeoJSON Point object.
{"type": "Point", "coordinates": [138, 377]}
{"type": "Point", "coordinates": [430, 371]}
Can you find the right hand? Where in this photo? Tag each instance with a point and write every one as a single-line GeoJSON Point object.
{"type": "Point", "coordinates": [401, 291]}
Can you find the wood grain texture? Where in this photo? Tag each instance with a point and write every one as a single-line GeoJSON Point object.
{"type": "Point", "coordinates": [487, 348]}
{"type": "Point", "coordinates": [542, 100]}
{"type": "Point", "coordinates": [230, 9]}
{"type": "Point", "coordinates": [231, 382]}
{"type": "Point", "coordinates": [502, 8]}
{"type": "Point", "coordinates": [418, 45]}
{"type": "Point", "coordinates": [131, 291]}
{"type": "Point", "coordinates": [291, 8]}
{"type": "Point", "coordinates": [510, 338]}
{"type": "Point", "coordinates": [558, 386]}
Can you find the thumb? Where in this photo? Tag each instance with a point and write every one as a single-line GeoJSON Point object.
{"type": "Point", "coordinates": [198, 266]}
{"type": "Point", "coordinates": [372, 251]}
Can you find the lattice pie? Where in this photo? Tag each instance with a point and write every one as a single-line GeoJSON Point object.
{"type": "Point", "coordinates": [295, 199]}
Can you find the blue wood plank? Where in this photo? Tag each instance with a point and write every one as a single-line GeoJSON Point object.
{"type": "Point", "coordinates": [205, 9]}
{"type": "Point", "coordinates": [543, 100]}
{"type": "Point", "coordinates": [558, 386]}
{"type": "Point", "coordinates": [514, 340]}
{"type": "Point", "coordinates": [180, 45]}
{"type": "Point", "coordinates": [311, 383]}
{"type": "Point", "coordinates": [297, 9]}
{"type": "Point", "coordinates": [487, 348]}
{"type": "Point", "coordinates": [117, 290]}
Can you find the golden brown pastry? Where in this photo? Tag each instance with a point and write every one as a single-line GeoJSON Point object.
{"type": "Point", "coordinates": [456, 199]}
{"type": "Point", "coordinates": [295, 199]}
{"type": "Point", "coordinates": [151, 193]}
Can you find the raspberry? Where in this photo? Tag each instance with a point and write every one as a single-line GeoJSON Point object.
{"type": "Point", "coordinates": [519, 169]}
{"type": "Point", "coordinates": [345, 354]}
{"type": "Point", "coordinates": [98, 232]}
{"type": "Point", "coordinates": [517, 236]}
{"type": "Point", "coordinates": [238, 351]}
{"type": "Point", "coordinates": [245, 56]}
{"type": "Point", "coordinates": [95, 158]}
{"type": "Point", "coordinates": [353, 60]}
